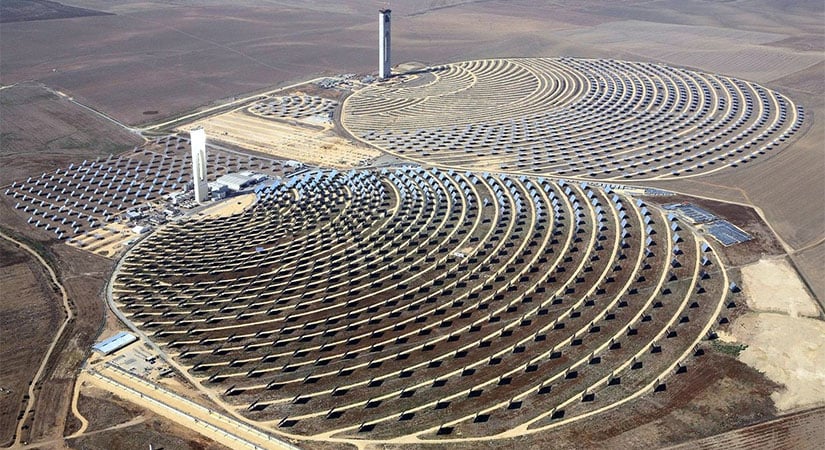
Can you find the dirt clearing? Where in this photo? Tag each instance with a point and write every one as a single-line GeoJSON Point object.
{"type": "Point", "coordinates": [788, 350]}
{"type": "Point", "coordinates": [230, 206]}
{"type": "Point", "coordinates": [773, 285]}
{"type": "Point", "coordinates": [801, 430]}
{"type": "Point", "coordinates": [308, 145]}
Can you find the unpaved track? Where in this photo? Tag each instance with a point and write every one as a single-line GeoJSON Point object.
{"type": "Point", "coordinates": [240, 103]}
{"type": "Point", "coordinates": [47, 356]}
{"type": "Point", "coordinates": [39, 445]}
{"type": "Point", "coordinates": [208, 422]}
{"type": "Point", "coordinates": [84, 423]}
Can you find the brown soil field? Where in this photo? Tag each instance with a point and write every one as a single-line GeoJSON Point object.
{"type": "Point", "coordinates": [31, 314]}
{"type": "Point", "coordinates": [157, 431]}
{"type": "Point", "coordinates": [808, 81]}
{"type": "Point", "coordinates": [802, 430]}
{"type": "Point", "coordinates": [83, 275]}
{"type": "Point", "coordinates": [104, 410]}
{"type": "Point", "coordinates": [716, 394]}
{"type": "Point", "coordinates": [41, 131]}
{"type": "Point", "coordinates": [809, 262]}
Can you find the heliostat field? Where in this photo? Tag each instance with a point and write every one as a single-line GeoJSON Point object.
{"type": "Point", "coordinates": [481, 292]}
{"type": "Point", "coordinates": [601, 119]}
{"type": "Point", "coordinates": [427, 304]}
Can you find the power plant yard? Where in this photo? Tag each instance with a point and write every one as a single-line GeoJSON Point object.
{"type": "Point", "coordinates": [568, 225]}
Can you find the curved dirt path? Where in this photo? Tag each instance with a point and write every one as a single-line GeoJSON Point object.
{"type": "Point", "coordinates": [131, 422]}
{"type": "Point", "coordinates": [57, 336]}
{"type": "Point", "coordinates": [84, 424]}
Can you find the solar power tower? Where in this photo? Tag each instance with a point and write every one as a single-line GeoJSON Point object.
{"type": "Point", "coordinates": [384, 66]}
{"type": "Point", "coordinates": [198, 141]}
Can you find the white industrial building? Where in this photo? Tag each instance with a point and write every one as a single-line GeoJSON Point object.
{"type": "Point", "coordinates": [239, 181]}
{"type": "Point", "coordinates": [114, 343]}
{"type": "Point", "coordinates": [141, 229]}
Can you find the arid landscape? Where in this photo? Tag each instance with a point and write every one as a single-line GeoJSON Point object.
{"type": "Point", "coordinates": [37, 304]}
{"type": "Point", "coordinates": [680, 342]}
{"type": "Point", "coordinates": [42, 128]}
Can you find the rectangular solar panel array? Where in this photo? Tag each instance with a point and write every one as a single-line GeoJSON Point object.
{"type": "Point", "coordinates": [697, 214]}
{"type": "Point", "coordinates": [694, 213]}
{"type": "Point", "coordinates": [727, 233]}
{"type": "Point", "coordinates": [658, 192]}
{"type": "Point", "coordinates": [722, 230]}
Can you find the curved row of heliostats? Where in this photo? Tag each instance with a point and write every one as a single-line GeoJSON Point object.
{"type": "Point", "coordinates": [74, 202]}
{"type": "Point", "coordinates": [576, 118]}
{"type": "Point", "coordinates": [435, 303]}
{"type": "Point", "coordinates": [294, 107]}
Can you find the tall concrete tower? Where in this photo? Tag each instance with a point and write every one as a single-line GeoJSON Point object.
{"type": "Point", "coordinates": [384, 65]}
{"type": "Point", "coordinates": [197, 138]}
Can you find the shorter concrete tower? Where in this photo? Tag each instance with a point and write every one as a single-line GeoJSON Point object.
{"type": "Point", "coordinates": [197, 138]}
{"type": "Point", "coordinates": [384, 65]}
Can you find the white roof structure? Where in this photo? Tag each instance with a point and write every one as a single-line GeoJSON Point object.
{"type": "Point", "coordinates": [239, 180]}
{"type": "Point", "coordinates": [114, 343]}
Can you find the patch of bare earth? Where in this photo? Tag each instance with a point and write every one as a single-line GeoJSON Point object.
{"type": "Point", "coordinates": [154, 431]}
{"type": "Point", "coordinates": [801, 430]}
{"type": "Point", "coordinates": [772, 285]}
{"type": "Point", "coordinates": [31, 313]}
{"type": "Point", "coordinates": [776, 340]}
{"type": "Point", "coordinates": [83, 275]}
{"type": "Point", "coordinates": [104, 410]}
{"type": "Point", "coordinates": [811, 263]}
{"type": "Point", "coordinates": [26, 11]}
{"type": "Point", "coordinates": [789, 351]}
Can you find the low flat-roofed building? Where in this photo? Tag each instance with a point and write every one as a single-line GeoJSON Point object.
{"type": "Point", "coordinates": [218, 191]}
{"type": "Point", "coordinates": [134, 214]}
{"type": "Point", "coordinates": [240, 180]}
{"type": "Point", "coordinates": [140, 229]}
{"type": "Point", "coordinates": [114, 343]}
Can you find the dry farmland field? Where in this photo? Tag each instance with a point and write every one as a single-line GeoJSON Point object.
{"type": "Point", "coordinates": [480, 252]}
{"type": "Point", "coordinates": [24, 11]}
{"type": "Point", "coordinates": [42, 130]}
{"type": "Point", "coordinates": [35, 303]}
{"type": "Point", "coordinates": [115, 423]}
{"type": "Point", "coordinates": [792, 431]}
